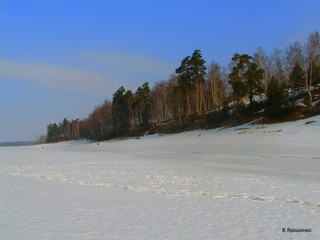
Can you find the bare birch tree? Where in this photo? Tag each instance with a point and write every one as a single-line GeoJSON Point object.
{"type": "Point", "coordinates": [312, 48]}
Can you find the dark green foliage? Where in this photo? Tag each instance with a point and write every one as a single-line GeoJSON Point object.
{"type": "Point", "coordinates": [146, 116]}
{"type": "Point", "coordinates": [63, 131]}
{"type": "Point", "coordinates": [245, 77]}
{"type": "Point", "coordinates": [190, 76]}
{"type": "Point", "coordinates": [298, 78]}
{"type": "Point", "coordinates": [146, 108]}
{"type": "Point", "coordinates": [185, 80]}
{"type": "Point", "coordinates": [66, 129]}
{"type": "Point", "coordinates": [121, 110]}
{"type": "Point", "coordinates": [185, 86]}
{"type": "Point", "coordinates": [250, 110]}
{"type": "Point", "coordinates": [216, 118]}
{"type": "Point", "coordinates": [197, 67]}
{"type": "Point", "coordinates": [191, 71]}
{"type": "Point", "coordinates": [278, 101]}
{"type": "Point", "coordinates": [52, 133]}
{"type": "Point", "coordinates": [142, 106]}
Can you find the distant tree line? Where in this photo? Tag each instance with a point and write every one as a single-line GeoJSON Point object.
{"type": "Point", "coordinates": [197, 89]}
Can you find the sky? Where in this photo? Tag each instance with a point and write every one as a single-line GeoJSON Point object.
{"type": "Point", "coordinates": [59, 59]}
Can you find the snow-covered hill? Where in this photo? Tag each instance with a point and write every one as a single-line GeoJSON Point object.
{"type": "Point", "coordinates": [247, 182]}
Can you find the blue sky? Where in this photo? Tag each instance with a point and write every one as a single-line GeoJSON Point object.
{"type": "Point", "coordinates": [62, 58]}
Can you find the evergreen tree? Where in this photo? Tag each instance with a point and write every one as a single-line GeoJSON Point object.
{"type": "Point", "coordinates": [66, 129]}
{"type": "Point", "coordinates": [278, 102]}
{"type": "Point", "coordinates": [146, 115]}
{"type": "Point", "coordinates": [122, 110]}
{"type": "Point", "coordinates": [197, 64]}
{"type": "Point", "coordinates": [146, 112]}
{"type": "Point", "coordinates": [186, 85]}
{"type": "Point", "coordinates": [191, 75]}
{"type": "Point", "coordinates": [52, 133]}
{"type": "Point", "coordinates": [245, 77]}
{"type": "Point", "coordinates": [298, 78]}
{"type": "Point", "coordinates": [142, 105]}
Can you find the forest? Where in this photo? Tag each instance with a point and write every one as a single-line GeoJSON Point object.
{"type": "Point", "coordinates": [198, 95]}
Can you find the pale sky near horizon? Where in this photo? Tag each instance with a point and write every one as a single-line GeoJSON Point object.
{"type": "Point", "coordinates": [62, 58]}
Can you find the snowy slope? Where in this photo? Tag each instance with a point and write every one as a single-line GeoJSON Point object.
{"type": "Point", "coordinates": [246, 182]}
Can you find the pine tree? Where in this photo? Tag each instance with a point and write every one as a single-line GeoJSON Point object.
{"type": "Point", "coordinates": [245, 77]}
{"type": "Point", "coordinates": [278, 101]}
{"type": "Point", "coordinates": [122, 110]}
{"type": "Point", "coordinates": [190, 81]}
{"type": "Point", "coordinates": [146, 111]}
{"type": "Point", "coordinates": [198, 70]}
{"type": "Point", "coordinates": [298, 78]}
{"type": "Point", "coordinates": [186, 85]}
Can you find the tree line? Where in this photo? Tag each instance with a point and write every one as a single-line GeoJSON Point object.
{"type": "Point", "coordinates": [197, 89]}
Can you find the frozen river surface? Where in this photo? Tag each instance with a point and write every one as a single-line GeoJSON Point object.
{"type": "Point", "coordinates": [247, 182]}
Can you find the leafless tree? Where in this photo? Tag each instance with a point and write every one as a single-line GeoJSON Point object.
{"type": "Point", "coordinates": [216, 90]}
{"type": "Point", "coordinates": [312, 49]}
{"type": "Point", "coordinates": [263, 61]}
{"type": "Point", "coordinates": [293, 56]}
{"type": "Point", "coordinates": [277, 65]}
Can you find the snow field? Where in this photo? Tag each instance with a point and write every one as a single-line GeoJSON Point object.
{"type": "Point", "coordinates": [246, 182]}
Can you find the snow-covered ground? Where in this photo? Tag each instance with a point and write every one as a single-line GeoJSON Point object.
{"type": "Point", "coordinates": [247, 182]}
